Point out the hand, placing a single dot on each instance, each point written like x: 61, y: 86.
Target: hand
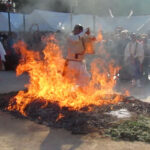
x: 93, y: 38
x: 88, y: 31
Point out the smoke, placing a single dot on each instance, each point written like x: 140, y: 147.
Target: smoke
x: 53, y: 5
x: 75, y: 6
x: 98, y: 7
x: 111, y: 8
x: 102, y: 8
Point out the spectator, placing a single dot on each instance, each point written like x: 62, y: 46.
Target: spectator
x: 2, y: 56
x: 146, y: 63
x: 122, y: 43
x: 134, y: 56
x: 11, y: 57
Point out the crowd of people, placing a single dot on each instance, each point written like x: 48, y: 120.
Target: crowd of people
x: 9, y: 58
x: 130, y: 51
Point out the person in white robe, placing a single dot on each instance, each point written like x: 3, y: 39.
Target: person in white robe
x: 75, y: 68
x: 133, y: 57
x: 2, y: 56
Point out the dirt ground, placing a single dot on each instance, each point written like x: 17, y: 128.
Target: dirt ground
x: 26, y: 135
x: 9, y: 82
x: 17, y: 134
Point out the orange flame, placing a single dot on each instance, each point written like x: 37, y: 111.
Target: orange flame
x: 99, y: 36
x: 47, y: 82
x: 60, y: 116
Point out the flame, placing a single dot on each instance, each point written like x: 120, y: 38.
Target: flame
x: 99, y: 36
x: 60, y: 116
x: 48, y: 84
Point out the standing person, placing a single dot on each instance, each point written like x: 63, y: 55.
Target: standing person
x: 134, y: 56
x: 120, y: 48
x: 12, y: 57
x: 146, y: 62
x: 2, y: 56
x: 75, y: 68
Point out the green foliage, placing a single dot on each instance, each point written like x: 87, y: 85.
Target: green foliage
x: 131, y: 130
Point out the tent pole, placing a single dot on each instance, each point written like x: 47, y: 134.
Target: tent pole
x: 24, y: 22
x: 71, y: 21
x: 9, y: 23
x: 94, y: 17
x: 94, y: 24
x: 71, y: 18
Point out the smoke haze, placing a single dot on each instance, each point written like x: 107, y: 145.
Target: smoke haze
x: 98, y: 7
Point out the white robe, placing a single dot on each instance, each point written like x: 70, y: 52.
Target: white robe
x: 75, y: 46
x: 135, y: 51
x: 2, y: 52
x: 76, y: 67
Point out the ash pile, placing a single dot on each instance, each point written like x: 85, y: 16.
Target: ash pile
x: 82, y: 121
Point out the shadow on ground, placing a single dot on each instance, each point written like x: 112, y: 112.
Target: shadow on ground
x: 59, y: 140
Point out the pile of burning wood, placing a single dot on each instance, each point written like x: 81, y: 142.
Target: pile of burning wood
x: 54, y: 100
x: 78, y: 121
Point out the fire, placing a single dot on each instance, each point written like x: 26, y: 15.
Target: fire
x: 99, y: 36
x: 60, y: 116
x: 47, y: 82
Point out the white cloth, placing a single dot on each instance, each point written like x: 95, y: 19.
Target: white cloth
x: 75, y: 46
x: 134, y: 49
x: 148, y: 44
x: 76, y: 68
x: 76, y: 72
x: 2, y: 52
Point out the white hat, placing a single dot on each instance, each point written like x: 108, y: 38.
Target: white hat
x: 124, y: 31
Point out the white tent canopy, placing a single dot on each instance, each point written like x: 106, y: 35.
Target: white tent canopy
x: 4, y: 23
x: 132, y: 24
x: 16, y: 20
x: 56, y: 20
x: 53, y: 21
x: 35, y: 18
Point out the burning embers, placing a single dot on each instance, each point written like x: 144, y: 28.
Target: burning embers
x: 48, y: 85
